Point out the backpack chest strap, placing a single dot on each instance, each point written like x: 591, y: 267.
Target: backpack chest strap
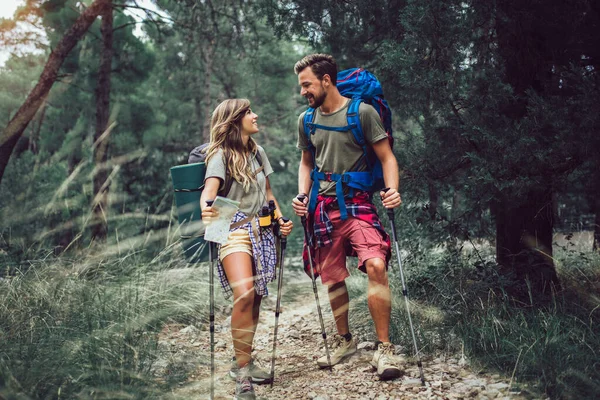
x: 355, y: 180
x: 318, y: 176
x: 312, y: 127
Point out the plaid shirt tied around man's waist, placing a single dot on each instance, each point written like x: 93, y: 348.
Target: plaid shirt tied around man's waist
x: 264, y: 255
x: 360, y: 206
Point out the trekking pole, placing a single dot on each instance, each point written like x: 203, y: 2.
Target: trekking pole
x: 211, y: 285
x: 314, y: 282
x: 283, y: 243
x: 390, y: 213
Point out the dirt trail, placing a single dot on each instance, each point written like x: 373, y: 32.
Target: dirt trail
x: 297, y: 375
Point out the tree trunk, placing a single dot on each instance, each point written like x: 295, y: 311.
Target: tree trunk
x: 596, y: 245
x: 208, y: 55
x: 455, y: 210
x: 524, y: 224
x: 17, y: 125
x: 524, y: 240
x: 99, y: 222
x: 433, y: 199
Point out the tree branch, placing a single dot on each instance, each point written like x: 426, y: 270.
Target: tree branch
x: 28, y: 109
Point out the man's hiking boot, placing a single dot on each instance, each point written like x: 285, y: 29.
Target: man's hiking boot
x: 341, y: 348
x: 257, y: 375
x: 386, y: 362
x: 243, y: 385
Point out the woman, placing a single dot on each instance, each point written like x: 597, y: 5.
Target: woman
x: 246, y: 263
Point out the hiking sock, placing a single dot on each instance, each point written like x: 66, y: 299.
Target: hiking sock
x: 347, y: 336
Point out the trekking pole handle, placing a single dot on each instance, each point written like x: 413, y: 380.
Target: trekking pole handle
x: 390, y: 211
x: 209, y: 202
x: 284, y: 238
x: 391, y: 215
x: 301, y: 197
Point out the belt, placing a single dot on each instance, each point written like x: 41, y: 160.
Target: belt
x: 334, y: 206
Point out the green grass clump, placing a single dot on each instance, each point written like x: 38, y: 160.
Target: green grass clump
x: 461, y: 304
x: 78, y: 329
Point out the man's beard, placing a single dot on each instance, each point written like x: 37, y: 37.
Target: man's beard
x: 319, y: 100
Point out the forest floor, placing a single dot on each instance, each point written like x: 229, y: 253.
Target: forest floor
x: 299, y: 343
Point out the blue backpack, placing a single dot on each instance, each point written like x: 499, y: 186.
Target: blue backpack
x: 361, y: 86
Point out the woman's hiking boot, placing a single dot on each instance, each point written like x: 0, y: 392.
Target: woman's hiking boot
x: 341, y: 348
x: 243, y: 385
x: 257, y: 375
x: 386, y: 362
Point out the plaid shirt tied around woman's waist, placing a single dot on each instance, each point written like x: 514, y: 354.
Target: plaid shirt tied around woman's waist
x: 360, y: 206
x: 264, y: 254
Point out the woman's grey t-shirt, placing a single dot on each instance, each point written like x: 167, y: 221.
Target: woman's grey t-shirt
x: 252, y: 201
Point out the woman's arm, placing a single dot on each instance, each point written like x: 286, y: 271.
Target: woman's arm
x: 211, y: 187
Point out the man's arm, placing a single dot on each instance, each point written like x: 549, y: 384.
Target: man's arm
x: 304, y: 182
x: 306, y: 166
x: 389, y: 164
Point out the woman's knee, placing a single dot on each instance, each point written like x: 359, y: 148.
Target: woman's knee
x: 244, y: 298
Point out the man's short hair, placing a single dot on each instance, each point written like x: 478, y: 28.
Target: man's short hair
x: 320, y: 64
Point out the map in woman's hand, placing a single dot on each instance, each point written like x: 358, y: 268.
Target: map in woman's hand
x: 218, y: 229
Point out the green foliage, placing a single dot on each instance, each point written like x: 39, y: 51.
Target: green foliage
x: 470, y: 129
x: 460, y: 303
x: 89, y: 327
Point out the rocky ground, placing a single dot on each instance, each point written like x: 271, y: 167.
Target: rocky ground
x: 185, y: 350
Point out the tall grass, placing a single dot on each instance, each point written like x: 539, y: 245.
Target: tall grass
x: 88, y: 327
x: 459, y: 303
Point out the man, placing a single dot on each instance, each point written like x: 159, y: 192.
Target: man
x: 337, y: 153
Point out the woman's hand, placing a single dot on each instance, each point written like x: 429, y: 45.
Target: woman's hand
x: 285, y: 227
x: 208, y: 214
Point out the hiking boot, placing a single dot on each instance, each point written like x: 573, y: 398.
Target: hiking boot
x: 341, y: 348
x: 257, y: 375
x: 386, y: 362
x: 243, y: 385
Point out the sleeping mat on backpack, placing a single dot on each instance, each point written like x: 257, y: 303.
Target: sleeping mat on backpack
x: 188, y: 182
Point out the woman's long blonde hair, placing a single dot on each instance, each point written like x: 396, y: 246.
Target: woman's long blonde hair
x: 226, y: 133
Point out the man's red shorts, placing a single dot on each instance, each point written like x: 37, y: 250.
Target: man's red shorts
x: 364, y: 238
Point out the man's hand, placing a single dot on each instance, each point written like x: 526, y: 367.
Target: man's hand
x: 390, y: 198
x: 300, y: 207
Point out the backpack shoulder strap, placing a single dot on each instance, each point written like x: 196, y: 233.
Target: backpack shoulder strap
x: 259, y: 158
x: 353, y: 118
x: 307, y: 123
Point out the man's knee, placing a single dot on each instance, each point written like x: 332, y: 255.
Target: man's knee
x: 376, y: 269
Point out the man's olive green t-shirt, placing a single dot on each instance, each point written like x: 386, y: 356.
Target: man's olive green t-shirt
x: 339, y: 152
x: 255, y: 198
